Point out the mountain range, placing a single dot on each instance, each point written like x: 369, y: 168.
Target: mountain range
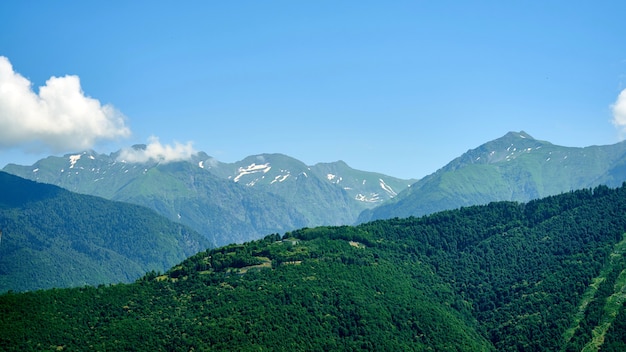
x: 539, y: 266
x: 226, y: 202
x: 274, y: 193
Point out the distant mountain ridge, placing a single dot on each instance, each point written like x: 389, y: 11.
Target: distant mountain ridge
x: 268, y: 169
x: 227, y: 202
x: 515, y: 167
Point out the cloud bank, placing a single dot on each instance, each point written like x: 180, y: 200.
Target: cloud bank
x: 155, y: 151
x: 619, y: 113
x: 58, y: 118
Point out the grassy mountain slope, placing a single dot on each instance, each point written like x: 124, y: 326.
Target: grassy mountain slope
x: 365, y: 189
x: 515, y: 167
x: 504, y: 276
x: 326, y: 193
x: 54, y: 238
x: 223, y: 211
x: 320, y: 201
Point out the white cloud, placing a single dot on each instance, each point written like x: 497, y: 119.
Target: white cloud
x: 157, y: 152
x: 619, y: 113
x: 211, y: 162
x: 59, y: 118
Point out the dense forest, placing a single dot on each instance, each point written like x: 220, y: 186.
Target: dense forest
x: 547, y: 275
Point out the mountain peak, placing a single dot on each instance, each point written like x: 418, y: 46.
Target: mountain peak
x: 520, y: 134
x: 513, y: 140
x: 505, y: 148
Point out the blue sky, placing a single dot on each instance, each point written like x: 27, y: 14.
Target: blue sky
x: 396, y: 87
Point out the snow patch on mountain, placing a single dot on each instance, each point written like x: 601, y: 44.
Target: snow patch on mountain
x: 334, y: 178
x: 251, y: 169
x: 373, y: 198
x: 387, y: 188
x: 280, y: 178
x: 201, y: 164
x: 253, y: 182
x: 73, y: 160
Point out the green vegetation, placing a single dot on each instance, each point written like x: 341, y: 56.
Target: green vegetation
x: 55, y: 238
x: 602, y: 299
x: 515, y: 167
x: 547, y: 275
x: 202, y: 193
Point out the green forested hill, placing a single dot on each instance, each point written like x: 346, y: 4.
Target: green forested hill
x: 548, y: 275
x: 54, y: 238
